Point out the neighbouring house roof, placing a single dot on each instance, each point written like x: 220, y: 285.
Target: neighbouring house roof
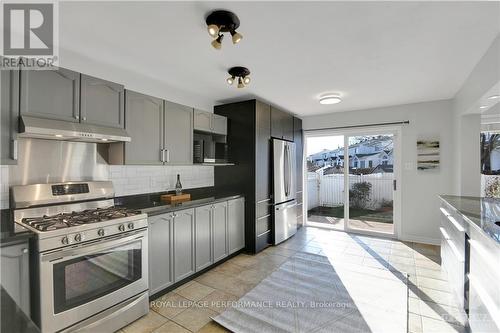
x: 383, y: 169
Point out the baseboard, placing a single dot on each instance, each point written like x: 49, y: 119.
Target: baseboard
x: 418, y: 239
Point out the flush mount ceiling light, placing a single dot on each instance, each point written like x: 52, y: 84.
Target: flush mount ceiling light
x: 221, y: 21
x: 241, y: 74
x: 328, y: 99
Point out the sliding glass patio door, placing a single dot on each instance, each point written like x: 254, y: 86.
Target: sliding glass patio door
x: 352, y: 180
x: 370, y: 180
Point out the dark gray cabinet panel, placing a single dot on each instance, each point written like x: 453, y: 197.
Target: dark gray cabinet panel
x: 15, y: 274
x: 160, y: 252
x: 9, y: 104
x: 202, y: 121
x: 236, y: 224
x: 144, y: 118
x: 281, y: 124
x: 299, y: 151
x: 203, y: 236
x: 178, y: 126
x: 183, y: 240
x: 53, y: 94
x: 262, y: 151
x: 102, y: 102
x: 219, y: 227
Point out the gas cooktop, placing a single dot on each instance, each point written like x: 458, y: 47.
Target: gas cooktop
x: 88, y: 216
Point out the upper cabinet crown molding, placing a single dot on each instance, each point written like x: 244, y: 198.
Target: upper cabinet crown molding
x: 102, y: 102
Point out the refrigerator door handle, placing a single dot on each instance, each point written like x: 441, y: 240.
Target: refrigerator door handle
x: 290, y: 169
x: 286, y: 169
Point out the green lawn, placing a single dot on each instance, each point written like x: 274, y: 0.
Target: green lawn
x: 365, y: 214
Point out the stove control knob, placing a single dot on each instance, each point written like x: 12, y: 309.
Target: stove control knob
x: 65, y: 240
x: 130, y: 226
x: 121, y: 227
x: 100, y: 232
x: 78, y: 238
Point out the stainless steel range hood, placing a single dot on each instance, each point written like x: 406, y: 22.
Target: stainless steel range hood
x: 40, y: 128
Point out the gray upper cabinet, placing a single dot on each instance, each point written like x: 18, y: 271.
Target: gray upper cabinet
x: 144, y: 117
x: 183, y: 240
x: 281, y: 124
x: 202, y: 121
x: 219, y: 124
x: 178, y: 143
x: 53, y: 94
x: 203, y: 237
x: 208, y: 122
x: 160, y: 252
x: 236, y: 224
x: 9, y: 104
x: 102, y: 102
x: 219, y: 229
x: 15, y: 274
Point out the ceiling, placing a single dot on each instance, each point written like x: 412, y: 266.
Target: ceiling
x: 373, y: 53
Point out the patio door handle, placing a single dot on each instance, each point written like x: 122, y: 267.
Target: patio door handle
x: 394, y: 184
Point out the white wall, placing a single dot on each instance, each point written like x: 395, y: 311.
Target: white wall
x: 420, y: 189
x: 467, y: 120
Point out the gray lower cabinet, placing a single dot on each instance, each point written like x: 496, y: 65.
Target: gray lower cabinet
x: 183, y: 241
x: 9, y: 111
x: 203, y: 236
x: 15, y: 273
x: 178, y: 136
x: 53, y: 94
x: 144, y: 118
x: 101, y: 102
x: 160, y: 252
x: 236, y: 224
x: 190, y: 240
x: 219, y: 233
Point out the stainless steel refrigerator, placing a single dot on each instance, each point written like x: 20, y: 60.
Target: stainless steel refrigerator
x: 284, y: 212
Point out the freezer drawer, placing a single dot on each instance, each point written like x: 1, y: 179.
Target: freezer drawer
x: 285, y: 221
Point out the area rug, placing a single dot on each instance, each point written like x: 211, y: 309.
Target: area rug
x: 310, y: 294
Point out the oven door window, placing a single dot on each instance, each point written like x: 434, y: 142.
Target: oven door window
x: 86, y: 278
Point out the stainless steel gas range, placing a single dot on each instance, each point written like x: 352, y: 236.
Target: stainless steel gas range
x: 90, y: 259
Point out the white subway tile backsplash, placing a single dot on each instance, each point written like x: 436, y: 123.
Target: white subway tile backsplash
x: 128, y: 180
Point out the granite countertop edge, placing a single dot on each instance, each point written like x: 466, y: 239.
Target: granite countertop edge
x: 477, y: 220
x: 164, y: 209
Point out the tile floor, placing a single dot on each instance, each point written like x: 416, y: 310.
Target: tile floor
x: 431, y: 306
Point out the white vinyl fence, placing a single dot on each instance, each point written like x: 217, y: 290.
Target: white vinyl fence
x: 328, y: 190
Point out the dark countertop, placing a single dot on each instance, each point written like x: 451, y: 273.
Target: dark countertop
x: 482, y: 212
x: 152, y: 205
x: 11, y: 232
x: 13, y: 318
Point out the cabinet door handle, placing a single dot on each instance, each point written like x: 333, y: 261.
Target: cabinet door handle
x: 168, y: 155
x: 162, y: 155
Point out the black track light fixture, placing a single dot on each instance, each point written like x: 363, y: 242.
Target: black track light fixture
x: 241, y: 74
x: 221, y: 21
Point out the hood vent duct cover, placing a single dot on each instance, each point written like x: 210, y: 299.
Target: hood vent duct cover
x: 40, y: 128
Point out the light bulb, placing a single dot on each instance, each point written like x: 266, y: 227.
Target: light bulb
x: 213, y: 30
x: 217, y: 43
x: 236, y: 37
x: 240, y: 83
x: 246, y: 80
x: 230, y: 80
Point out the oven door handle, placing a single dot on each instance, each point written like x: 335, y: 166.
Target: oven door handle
x: 89, y: 249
